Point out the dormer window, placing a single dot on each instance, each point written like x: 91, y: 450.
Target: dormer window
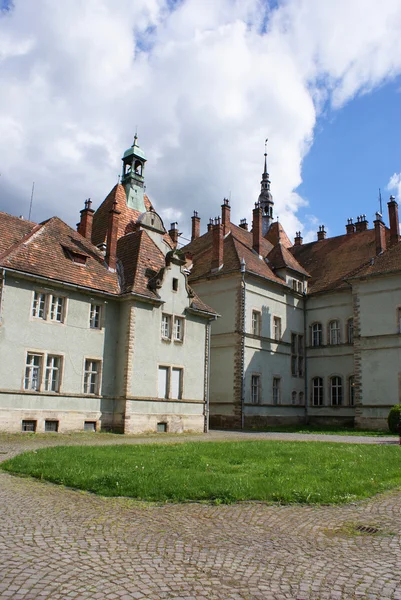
x: 76, y: 257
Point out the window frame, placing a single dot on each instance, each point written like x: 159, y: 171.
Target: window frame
x: 56, y: 308
x: 95, y: 316
x: 30, y: 367
x: 317, y: 391
x: 169, y: 378
x: 177, y: 320
x: 336, y: 390
x: 350, y: 330
x: 276, y: 390
x: 57, y: 369
x: 166, y: 319
x: 277, y: 328
x: 256, y: 322
x: 351, y: 390
x: 334, y: 331
x: 49, y: 306
x: 88, y: 373
x: 318, y: 333
x: 39, y: 298
x: 297, y: 354
x: 256, y: 388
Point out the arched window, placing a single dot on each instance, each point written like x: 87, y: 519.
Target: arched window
x: 351, y: 390
x: 336, y: 391
x: 350, y: 331
x: 317, y: 391
x: 138, y: 167
x: 293, y: 397
x: 317, y: 334
x: 334, y: 332
x: 301, y: 398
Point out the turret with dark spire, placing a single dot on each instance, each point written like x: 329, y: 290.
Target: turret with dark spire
x: 266, y: 199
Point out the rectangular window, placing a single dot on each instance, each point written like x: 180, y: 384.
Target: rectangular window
x: 163, y: 382
x: 94, y: 317
x: 29, y: 425
x: 334, y: 333
x: 39, y: 305
x: 350, y: 331
x: 255, y: 389
x: 256, y: 322
x: 336, y: 391
x: 175, y: 284
x: 57, y: 309
x: 166, y: 327
x: 317, y: 334
x: 277, y: 328
x: 53, y: 373
x: 176, y: 384
x: 276, y: 390
x: 351, y: 390
x: 51, y: 426
x: 92, y: 376
x: 33, y: 370
x: 90, y: 426
x: 162, y: 427
x: 317, y: 391
x: 178, y: 329
x: 297, y: 355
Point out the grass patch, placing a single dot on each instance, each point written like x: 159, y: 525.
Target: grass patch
x: 327, y: 430
x: 220, y: 472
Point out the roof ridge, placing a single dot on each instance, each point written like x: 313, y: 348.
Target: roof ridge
x: 23, y: 241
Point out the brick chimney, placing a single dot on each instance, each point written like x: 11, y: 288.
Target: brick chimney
x: 321, y: 234
x: 173, y: 233
x: 195, y: 226
x: 380, y: 234
x: 225, y: 216
x: 84, y: 227
x: 257, y: 228
x: 361, y: 223
x: 218, y: 242
x: 111, y: 243
x: 298, y: 239
x: 210, y: 224
x: 350, y: 227
x: 243, y: 224
x: 394, y: 224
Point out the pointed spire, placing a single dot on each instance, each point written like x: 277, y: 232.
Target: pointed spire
x: 265, y: 197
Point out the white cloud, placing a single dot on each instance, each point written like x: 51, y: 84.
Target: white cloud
x: 395, y: 184
x: 205, y: 83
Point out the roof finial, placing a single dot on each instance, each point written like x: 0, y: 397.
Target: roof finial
x: 380, y: 202
x: 135, y: 136
x: 266, y: 140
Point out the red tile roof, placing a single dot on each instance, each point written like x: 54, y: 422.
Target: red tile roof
x: 127, y: 216
x: 42, y: 252
x: 384, y: 264
x: 47, y: 250
x: 276, y: 234
x: 237, y: 246
x: 281, y: 258
x: 333, y: 260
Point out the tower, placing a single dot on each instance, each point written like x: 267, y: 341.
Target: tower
x: 266, y: 200
x: 132, y: 176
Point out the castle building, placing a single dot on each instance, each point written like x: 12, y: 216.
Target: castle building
x: 308, y: 332
x: 99, y: 328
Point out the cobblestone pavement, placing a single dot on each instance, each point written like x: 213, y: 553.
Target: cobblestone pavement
x: 61, y: 544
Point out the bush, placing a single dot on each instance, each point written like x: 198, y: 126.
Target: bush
x: 394, y: 417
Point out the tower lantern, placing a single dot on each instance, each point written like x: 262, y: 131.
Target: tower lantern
x: 133, y: 176
x: 266, y: 199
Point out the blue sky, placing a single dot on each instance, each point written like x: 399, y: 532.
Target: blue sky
x: 205, y: 83
x: 355, y: 151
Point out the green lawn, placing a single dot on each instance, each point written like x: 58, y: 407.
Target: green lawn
x: 285, y: 472
x: 328, y: 430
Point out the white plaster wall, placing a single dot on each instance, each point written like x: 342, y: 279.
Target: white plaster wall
x: 151, y: 350
x: 73, y: 339
x: 221, y: 294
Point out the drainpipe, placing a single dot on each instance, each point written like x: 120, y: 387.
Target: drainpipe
x: 207, y: 376
x: 3, y: 285
x: 305, y: 364
x: 243, y: 291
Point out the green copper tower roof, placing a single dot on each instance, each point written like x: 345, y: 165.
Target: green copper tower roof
x: 135, y: 150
